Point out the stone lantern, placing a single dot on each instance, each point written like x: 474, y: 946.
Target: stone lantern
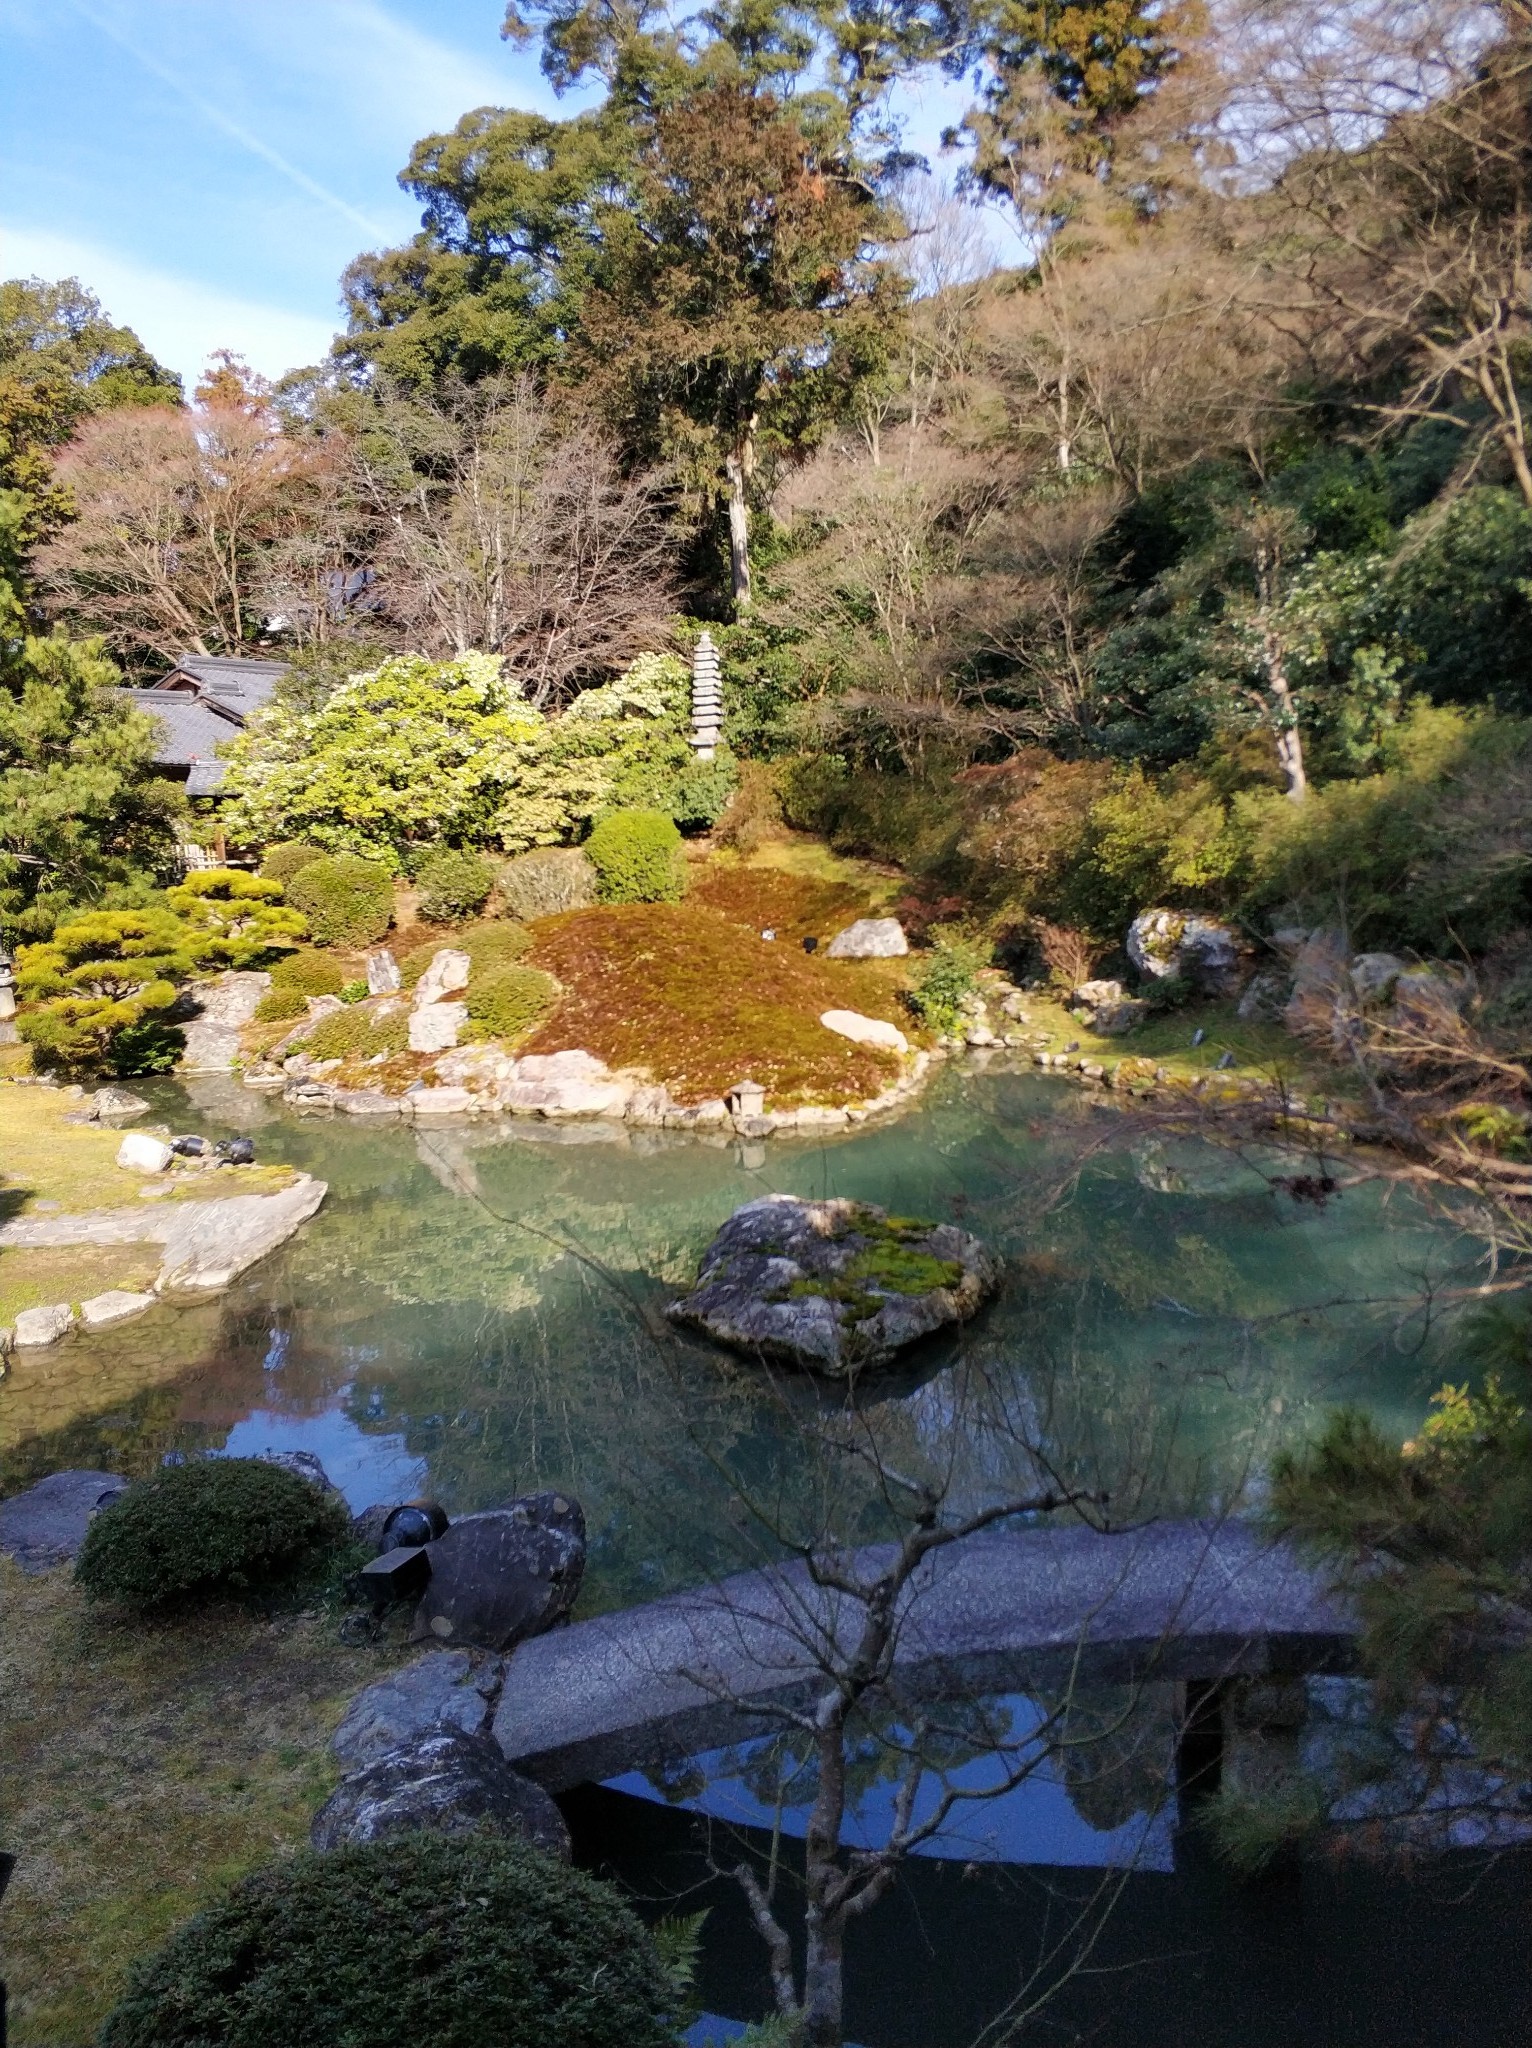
x: 707, y: 699
x: 7, y: 986
x: 747, y: 1098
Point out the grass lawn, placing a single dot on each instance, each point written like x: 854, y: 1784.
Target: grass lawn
x: 1262, y: 1051
x: 145, y: 1768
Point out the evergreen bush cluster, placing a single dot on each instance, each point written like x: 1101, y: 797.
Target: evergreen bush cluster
x: 545, y: 882
x: 510, y: 1001
x: 281, y: 1006
x: 213, y: 1526
x: 357, y: 1033
x: 445, y: 1942
x: 308, y: 972
x: 947, y: 973
x: 282, y: 861
x: 490, y: 945
x: 348, y: 901
x: 638, y: 858
x: 453, y: 884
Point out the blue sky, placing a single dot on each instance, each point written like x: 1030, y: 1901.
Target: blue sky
x: 209, y: 167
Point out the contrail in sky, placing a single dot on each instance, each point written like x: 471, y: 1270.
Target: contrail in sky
x: 232, y: 129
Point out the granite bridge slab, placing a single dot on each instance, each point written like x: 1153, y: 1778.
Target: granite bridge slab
x: 1033, y: 1609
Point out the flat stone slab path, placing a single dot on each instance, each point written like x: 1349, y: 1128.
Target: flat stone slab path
x: 1032, y: 1609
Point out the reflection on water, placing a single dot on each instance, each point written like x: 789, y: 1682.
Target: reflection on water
x: 991, y: 1783
x: 475, y: 1310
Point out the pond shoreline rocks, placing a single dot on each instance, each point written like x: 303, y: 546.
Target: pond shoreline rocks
x: 833, y: 1285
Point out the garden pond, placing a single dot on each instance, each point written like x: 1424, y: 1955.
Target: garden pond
x: 478, y: 1312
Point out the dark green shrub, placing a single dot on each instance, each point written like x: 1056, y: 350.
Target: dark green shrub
x: 637, y: 857
x: 348, y: 901
x: 278, y: 1005
x: 309, y: 973
x: 546, y: 881
x: 490, y: 946
x: 217, y: 1525
x: 507, y: 1004
x: 453, y: 885
x: 455, y: 1942
x: 282, y: 861
x: 358, y: 1032
x: 355, y: 992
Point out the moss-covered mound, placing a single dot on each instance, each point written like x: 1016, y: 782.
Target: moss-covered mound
x: 704, y: 1002
x: 455, y: 1942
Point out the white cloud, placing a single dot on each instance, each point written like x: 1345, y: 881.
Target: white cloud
x: 179, y: 320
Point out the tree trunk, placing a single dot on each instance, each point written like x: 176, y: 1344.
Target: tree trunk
x: 739, y: 468
x: 1284, y: 717
x: 822, y: 1979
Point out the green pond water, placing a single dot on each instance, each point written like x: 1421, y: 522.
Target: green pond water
x: 476, y: 1312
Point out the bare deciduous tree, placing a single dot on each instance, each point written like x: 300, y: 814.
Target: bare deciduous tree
x: 501, y: 530
x: 174, y: 513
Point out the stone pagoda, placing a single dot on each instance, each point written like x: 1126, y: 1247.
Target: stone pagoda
x: 707, y: 699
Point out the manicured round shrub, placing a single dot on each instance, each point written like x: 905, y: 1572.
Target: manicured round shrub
x: 282, y: 861
x: 637, y: 857
x: 441, y: 1941
x: 216, y: 1525
x: 310, y: 973
x: 281, y: 1005
x: 546, y: 881
x: 490, y: 946
x: 348, y: 901
x: 508, y: 1003
x: 358, y: 1033
x: 453, y: 885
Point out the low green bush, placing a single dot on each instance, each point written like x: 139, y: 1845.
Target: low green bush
x: 489, y: 946
x: 453, y: 884
x: 279, y: 1005
x: 637, y: 857
x: 947, y: 973
x: 309, y: 973
x: 545, y: 882
x: 216, y: 1525
x: 455, y: 1942
x: 355, y: 992
x: 348, y: 901
x: 507, y: 1004
x: 358, y: 1032
x: 282, y: 861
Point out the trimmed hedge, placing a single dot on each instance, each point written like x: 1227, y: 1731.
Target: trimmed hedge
x: 546, y: 881
x: 280, y: 1005
x: 355, y: 1031
x: 637, y: 857
x: 348, y: 901
x: 216, y: 1525
x: 440, y: 1941
x: 282, y: 861
x: 507, y: 1004
x: 311, y: 974
x: 453, y: 885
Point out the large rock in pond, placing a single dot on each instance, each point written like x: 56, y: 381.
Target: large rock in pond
x: 447, y: 1782
x: 833, y: 1285
x: 209, y: 1244
x: 505, y: 1574
x: 1179, y: 943
x: 870, y: 938
x: 46, y: 1525
x: 224, y: 1006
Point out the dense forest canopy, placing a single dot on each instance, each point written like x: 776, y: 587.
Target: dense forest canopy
x: 1220, y: 499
